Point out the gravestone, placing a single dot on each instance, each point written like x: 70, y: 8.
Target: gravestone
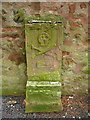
x: 44, y: 40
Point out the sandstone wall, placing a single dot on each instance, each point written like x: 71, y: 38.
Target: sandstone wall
x: 74, y: 51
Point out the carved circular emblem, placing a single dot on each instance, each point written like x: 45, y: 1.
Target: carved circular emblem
x: 43, y: 39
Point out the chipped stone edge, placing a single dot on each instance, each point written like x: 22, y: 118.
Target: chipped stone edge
x: 43, y: 83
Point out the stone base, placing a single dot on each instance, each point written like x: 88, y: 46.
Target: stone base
x: 43, y: 96
x: 43, y: 108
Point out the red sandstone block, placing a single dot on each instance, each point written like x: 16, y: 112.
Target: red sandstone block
x: 83, y: 5
x: 72, y: 8
x: 65, y: 53
x: 9, y: 29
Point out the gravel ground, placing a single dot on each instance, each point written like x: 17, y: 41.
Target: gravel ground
x: 74, y: 107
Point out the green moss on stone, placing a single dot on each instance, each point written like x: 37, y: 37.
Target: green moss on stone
x: 86, y: 70
x: 47, y: 76
x: 74, y: 84
x: 46, y: 17
x: 19, y: 16
x: 68, y: 48
x: 43, y: 96
x: 34, y: 33
x: 13, y: 78
x: 43, y: 108
x: 43, y: 89
x: 85, y: 62
x: 15, y: 91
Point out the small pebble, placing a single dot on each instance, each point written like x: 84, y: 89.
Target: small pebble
x: 70, y: 97
x: 65, y: 113
x: 63, y: 116
x: 68, y: 105
x: 11, y: 105
x: 71, y: 107
x: 79, y: 117
x: 12, y: 102
x: 88, y: 114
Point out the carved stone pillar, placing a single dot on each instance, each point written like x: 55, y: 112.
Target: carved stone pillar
x: 44, y: 41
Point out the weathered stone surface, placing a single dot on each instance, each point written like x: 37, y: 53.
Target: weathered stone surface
x: 76, y: 31
x: 9, y: 12
x: 72, y: 8
x: 83, y: 5
x: 43, y: 56
x: 43, y: 96
x: 13, y: 62
x: 75, y: 60
x: 44, y: 59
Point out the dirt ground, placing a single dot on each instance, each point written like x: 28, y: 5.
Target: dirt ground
x: 73, y: 107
